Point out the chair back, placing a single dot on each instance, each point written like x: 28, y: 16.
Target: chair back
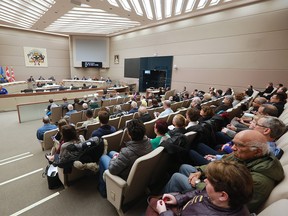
x: 56, y: 114
x: 47, y: 142
x: 125, y: 138
x: 95, y: 113
x: 170, y: 117
x: 114, y: 140
x: 90, y: 129
x: 105, y: 102
x: 123, y: 120
x: 149, y: 126
x: 125, y: 107
x: 141, y: 174
x: 114, y: 122
x: 151, y: 112
x: 76, y: 117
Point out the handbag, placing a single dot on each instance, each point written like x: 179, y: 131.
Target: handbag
x: 152, y: 203
x: 51, y: 173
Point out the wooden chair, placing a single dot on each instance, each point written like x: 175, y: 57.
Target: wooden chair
x: 121, y: 193
x: 78, y: 107
x: 56, y: 114
x: 120, y: 100
x: 105, y: 102
x: 47, y: 142
x: 150, y: 128
x: 76, y: 117
x: 114, y: 122
x: 125, y: 107
x: 151, y: 112
x: 123, y: 119
x: 95, y: 113
x: 170, y: 117
x: 114, y: 140
x: 125, y: 138
x: 90, y: 129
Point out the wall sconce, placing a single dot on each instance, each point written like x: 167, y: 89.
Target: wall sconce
x: 175, y: 67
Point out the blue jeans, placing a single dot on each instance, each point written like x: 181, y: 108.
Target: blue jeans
x: 103, y: 165
x: 179, y: 181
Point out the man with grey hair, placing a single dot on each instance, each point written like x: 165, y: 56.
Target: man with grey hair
x: 46, y: 127
x: 196, y: 103
x: 167, y: 109
x: 144, y: 116
x: 249, y: 148
x: 272, y: 128
x: 226, y: 104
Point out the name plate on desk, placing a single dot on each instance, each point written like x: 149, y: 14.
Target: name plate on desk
x: 91, y: 64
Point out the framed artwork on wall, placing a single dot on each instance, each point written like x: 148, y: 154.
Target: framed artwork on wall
x: 116, y: 59
x: 35, y: 57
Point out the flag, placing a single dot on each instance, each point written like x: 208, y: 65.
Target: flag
x: 2, y: 75
x: 12, y: 79
x: 7, y: 74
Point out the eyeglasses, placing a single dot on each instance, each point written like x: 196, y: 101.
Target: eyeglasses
x: 260, y: 125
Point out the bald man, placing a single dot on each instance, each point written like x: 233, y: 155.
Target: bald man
x: 250, y: 148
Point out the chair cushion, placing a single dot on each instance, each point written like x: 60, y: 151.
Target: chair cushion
x: 280, y: 206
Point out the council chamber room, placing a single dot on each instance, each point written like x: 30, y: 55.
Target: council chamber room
x: 143, y: 107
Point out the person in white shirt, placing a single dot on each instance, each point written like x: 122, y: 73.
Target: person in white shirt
x: 167, y: 109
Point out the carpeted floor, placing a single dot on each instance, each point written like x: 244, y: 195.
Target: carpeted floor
x: 23, y: 188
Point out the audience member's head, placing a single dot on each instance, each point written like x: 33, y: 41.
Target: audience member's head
x: 270, y: 126
x: 76, y: 100
x: 103, y: 117
x: 142, y: 110
x: 64, y: 99
x: 161, y: 127
x: 179, y: 121
x: 230, y: 178
x: 196, y: 101
x: 117, y: 108
x: 193, y: 114
x: 70, y: 107
x: 278, y: 97
x: 228, y: 100
x: 239, y: 96
x: 69, y: 133
x: 85, y: 106
x: 206, y: 111
x: 46, y: 120
x: 51, y: 100
x: 249, y: 144
x: 136, y: 129
x: 166, y: 104
x: 268, y: 109
x: 61, y: 123
x: 133, y: 104
x: 89, y: 114
x: 258, y: 101
x: 207, y: 97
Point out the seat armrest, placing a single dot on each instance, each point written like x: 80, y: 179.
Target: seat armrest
x: 115, y: 189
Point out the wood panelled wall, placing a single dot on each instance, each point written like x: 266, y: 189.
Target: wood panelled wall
x: 12, y: 43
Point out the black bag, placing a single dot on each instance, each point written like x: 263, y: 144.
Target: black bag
x: 51, y: 173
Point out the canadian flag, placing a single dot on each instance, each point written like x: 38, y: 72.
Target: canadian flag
x: 12, y: 78
x: 7, y: 73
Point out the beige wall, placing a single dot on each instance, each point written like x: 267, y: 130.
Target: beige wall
x: 12, y: 42
x: 236, y: 47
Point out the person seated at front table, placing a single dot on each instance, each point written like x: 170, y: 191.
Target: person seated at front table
x: 3, y: 90
x: 228, y: 187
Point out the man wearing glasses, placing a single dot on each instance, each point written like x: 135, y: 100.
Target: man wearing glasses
x: 250, y: 148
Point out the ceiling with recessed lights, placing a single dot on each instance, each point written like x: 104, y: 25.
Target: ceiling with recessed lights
x: 104, y: 17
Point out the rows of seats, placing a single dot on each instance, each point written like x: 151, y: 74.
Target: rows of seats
x: 278, y: 199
